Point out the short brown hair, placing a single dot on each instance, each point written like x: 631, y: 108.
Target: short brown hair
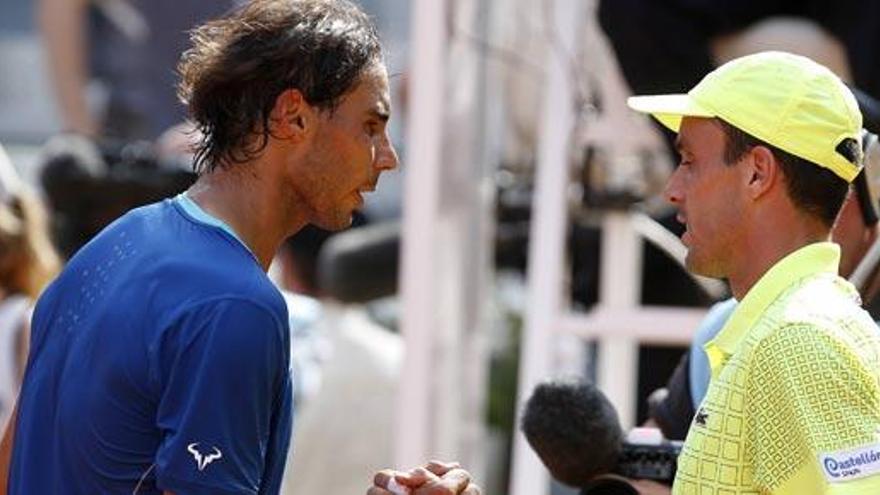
x: 812, y: 188
x: 239, y: 64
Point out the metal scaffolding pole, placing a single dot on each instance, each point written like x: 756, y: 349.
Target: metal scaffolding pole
x: 547, y: 234
x: 421, y: 208
x: 447, y: 240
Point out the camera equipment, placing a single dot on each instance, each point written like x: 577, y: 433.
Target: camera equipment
x: 650, y: 459
x: 575, y: 431
x: 654, y: 460
x: 89, y: 184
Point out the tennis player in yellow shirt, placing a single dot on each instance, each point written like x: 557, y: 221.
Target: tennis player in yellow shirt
x: 769, y: 143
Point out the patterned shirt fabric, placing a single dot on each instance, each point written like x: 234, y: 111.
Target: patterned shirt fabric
x: 794, y: 402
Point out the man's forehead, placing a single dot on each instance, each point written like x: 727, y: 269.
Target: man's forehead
x: 374, y: 83
x: 380, y: 78
x: 694, y: 129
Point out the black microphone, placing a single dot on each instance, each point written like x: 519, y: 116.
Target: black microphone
x: 576, y: 432
x: 574, y: 429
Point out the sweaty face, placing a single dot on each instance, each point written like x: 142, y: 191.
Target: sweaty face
x: 351, y: 148
x: 706, y: 192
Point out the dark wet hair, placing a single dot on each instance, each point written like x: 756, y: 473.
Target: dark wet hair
x: 239, y: 64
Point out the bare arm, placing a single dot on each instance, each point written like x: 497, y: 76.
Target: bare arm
x: 63, y: 27
x: 6, y: 450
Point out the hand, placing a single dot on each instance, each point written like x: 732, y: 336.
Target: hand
x: 436, y: 478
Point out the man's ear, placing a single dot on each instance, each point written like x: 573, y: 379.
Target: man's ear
x: 291, y: 117
x: 762, y: 171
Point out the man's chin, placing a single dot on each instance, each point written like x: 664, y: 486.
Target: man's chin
x: 694, y: 264
x: 335, y: 223
x: 700, y: 267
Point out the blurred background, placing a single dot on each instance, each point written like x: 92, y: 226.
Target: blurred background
x: 525, y: 235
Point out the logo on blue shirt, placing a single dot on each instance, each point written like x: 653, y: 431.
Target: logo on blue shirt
x: 203, y: 460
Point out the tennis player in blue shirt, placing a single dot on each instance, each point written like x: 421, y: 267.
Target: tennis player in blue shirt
x: 160, y: 356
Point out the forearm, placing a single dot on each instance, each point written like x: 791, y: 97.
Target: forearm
x: 6, y: 451
x: 63, y: 27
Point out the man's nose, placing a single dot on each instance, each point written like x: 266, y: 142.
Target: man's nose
x: 386, y: 157
x: 673, y: 192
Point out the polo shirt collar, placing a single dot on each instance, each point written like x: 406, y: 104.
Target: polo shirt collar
x: 813, y: 259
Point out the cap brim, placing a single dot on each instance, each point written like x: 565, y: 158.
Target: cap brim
x: 668, y: 109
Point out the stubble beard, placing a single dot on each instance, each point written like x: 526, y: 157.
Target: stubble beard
x: 710, y: 268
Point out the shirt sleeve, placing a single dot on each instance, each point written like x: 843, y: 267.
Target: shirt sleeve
x: 224, y: 387
x: 810, y: 399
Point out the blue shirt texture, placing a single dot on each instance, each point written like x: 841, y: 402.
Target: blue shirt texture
x: 159, y: 361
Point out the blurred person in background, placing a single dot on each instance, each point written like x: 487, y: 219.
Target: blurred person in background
x: 343, y: 362
x: 665, y: 46
x: 112, y: 62
x: 296, y: 264
x: 111, y: 65
x: 28, y: 262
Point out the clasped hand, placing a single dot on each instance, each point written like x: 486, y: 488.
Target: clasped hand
x: 435, y: 478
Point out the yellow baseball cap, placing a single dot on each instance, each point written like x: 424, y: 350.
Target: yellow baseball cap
x: 785, y: 100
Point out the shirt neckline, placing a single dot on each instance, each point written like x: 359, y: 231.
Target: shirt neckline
x: 812, y: 259
x: 198, y: 214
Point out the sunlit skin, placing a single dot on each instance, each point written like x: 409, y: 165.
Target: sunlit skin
x: 315, y: 168
x: 349, y: 149
x: 707, y: 193
x: 739, y: 218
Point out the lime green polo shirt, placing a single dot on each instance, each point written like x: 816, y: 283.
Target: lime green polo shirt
x: 794, y: 403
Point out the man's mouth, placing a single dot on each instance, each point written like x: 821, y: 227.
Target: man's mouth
x: 685, y: 236
x: 361, y: 191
